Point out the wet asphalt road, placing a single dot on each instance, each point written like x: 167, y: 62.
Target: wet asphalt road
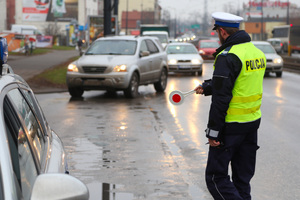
x: 146, y: 148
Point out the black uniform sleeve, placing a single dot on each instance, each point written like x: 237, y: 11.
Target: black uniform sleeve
x: 227, y: 69
x: 207, y: 87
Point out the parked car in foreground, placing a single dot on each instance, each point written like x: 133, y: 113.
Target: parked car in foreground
x: 206, y: 48
x: 119, y: 63
x: 184, y: 58
x: 274, y: 61
x: 33, y: 161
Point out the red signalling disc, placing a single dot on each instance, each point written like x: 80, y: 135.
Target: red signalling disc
x: 176, y: 98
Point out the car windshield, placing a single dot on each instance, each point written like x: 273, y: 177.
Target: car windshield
x: 112, y: 47
x: 181, y: 49
x: 265, y: 48
x: 209, y: 44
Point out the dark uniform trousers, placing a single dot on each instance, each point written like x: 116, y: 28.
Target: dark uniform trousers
x: 239, y: 150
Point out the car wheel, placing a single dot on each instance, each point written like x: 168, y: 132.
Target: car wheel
x: 75, y: 91
x: 161, y: 85
x: 278, y: 74
x: 132, y: 90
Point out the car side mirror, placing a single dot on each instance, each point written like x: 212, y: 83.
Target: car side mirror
x: 144, y: 53
x: 59, y: 186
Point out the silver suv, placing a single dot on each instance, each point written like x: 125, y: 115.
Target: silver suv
x: 32, y: 158
x: 119, y: 63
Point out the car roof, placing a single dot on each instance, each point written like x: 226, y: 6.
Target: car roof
x: 124, y: 37
x: 10, y: 77
x: 208, y: 41
x: 273, y: 39
x: 179, y: 43
x: 261, y: 42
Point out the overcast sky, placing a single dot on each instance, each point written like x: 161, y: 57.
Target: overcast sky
x: 185, y: 9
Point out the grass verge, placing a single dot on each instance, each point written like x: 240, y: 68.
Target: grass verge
x: 52, y: 77
x: 39, y: 51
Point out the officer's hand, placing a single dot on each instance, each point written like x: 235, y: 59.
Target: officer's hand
x: 213, y: 143
x: 199, y: 89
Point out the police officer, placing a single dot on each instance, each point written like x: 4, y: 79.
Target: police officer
x: 234, y: 117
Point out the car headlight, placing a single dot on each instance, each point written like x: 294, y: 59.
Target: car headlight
x: 172, y: 62
x: 120, y: 68
x: 196, y: 61
x: 277, y: 60
x: 72, y: 68
x: 201, y: 52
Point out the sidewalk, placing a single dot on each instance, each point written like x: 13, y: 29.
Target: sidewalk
x: 30, y: 66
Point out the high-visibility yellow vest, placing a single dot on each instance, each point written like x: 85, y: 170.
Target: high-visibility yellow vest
x: 248, y: 88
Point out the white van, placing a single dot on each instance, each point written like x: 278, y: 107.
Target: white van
x: 25, y: 29
x: 163, y: 36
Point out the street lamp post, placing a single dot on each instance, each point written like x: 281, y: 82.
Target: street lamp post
x: 142, y: 12
x: 175, y: 21
x: 127, y: 17
x: 262, y: 22
x: 288, y: 13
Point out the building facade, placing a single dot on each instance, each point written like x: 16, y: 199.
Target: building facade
x: 75, y: 11
x: 261, y: 17
x: 3, y: 13
x: 138, y: 12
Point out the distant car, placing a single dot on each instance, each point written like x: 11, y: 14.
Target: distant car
x: 119, y: 63
x: 32, y: 157
x: 183, y: 58
x: 274, y: 61
x: 277, y: 44
x: 206, y: 48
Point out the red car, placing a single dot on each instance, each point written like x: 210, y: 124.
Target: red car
x: 207, y: 47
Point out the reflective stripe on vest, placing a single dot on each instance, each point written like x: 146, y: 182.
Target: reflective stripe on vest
x: 247, y: 91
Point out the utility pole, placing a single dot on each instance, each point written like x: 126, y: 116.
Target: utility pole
x: 205, y: 23
x: 107, y: 17
x: 116, y: 7
x: 142, y: 12
x: 175, y: 26
x: 262, y: 21
x: 127, y: 18
x: 288, y: 13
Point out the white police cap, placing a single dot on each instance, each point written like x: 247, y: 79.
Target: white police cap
x: 226, y: 20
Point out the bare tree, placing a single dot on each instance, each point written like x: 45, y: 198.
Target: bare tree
x: 51, y: 29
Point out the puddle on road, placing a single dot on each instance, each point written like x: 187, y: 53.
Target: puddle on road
x: 86, y: 164
x: 105, y: 191
x: 194, y: 190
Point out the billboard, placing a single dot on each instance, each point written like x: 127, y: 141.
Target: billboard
x: 47, y: 10
x: 66, y: 11
x: 35, y: 10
